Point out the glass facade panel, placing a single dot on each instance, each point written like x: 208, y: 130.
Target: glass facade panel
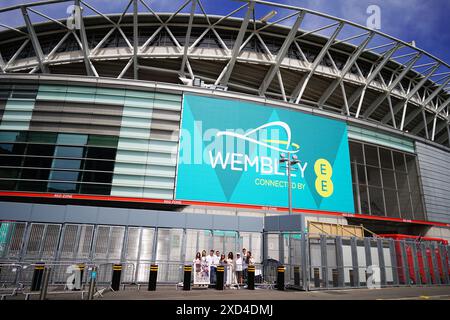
x: 72, y: 139
x: 30, y: 155
x: 387, y: 187
x: 392, y: 209
x: 376, y: 201
x: 373, y: 176
x: 69, y: 152
x: 371, y: 154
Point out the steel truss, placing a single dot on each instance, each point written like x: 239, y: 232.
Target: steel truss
x: 406, y: 85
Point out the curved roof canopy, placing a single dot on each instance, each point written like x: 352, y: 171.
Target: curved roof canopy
x: 261, y: 48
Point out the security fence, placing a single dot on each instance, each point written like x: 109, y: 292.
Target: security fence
x: 311, y: 261
x: 315, y: 262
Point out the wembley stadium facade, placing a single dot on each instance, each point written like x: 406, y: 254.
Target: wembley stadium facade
x: 144, y: 137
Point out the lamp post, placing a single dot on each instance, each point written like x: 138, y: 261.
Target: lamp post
x: 290, y: 161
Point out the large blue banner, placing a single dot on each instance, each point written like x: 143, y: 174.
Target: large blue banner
x: 230, y: 152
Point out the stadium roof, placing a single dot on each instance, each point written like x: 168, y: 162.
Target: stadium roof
x: 295, y: 55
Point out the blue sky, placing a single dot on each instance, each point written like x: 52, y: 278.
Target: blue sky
x: 425, y: 21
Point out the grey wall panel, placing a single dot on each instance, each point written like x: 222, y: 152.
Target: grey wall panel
x: 171, y: 220
x: 435, y: 177
x: 116, y: 216
x: 15, y: 211
x: 76, y: 214
x: 143, y: 218
x: 251, y: 224
x: 225, y: 223
x: 125, y: 217
x: 48, y: 213
x: 193, y: 221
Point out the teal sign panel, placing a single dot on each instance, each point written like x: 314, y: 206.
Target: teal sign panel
x: 230, y: 152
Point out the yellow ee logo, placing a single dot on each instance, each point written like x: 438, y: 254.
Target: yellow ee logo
x: 324, y: 184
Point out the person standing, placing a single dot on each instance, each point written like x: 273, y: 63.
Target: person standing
x: 212, y: 267
x: 244, y: 264
x: 238, y: 268
x: 229, y: 270
x: 204, y: 256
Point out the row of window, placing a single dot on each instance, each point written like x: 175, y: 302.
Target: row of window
x: 385, y: 182
x: 35, y: 161
x: 58, y: 138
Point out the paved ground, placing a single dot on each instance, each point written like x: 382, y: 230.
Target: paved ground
x: 170, y: 293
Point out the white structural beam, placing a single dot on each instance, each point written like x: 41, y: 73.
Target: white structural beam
x: 391, y: 87
x: 411, y: 93
x: 360, y: 92
x: 34, y: 40
x: 85, y: 46
x: 135, y: 40
x: 443, y: 125
x: 413, y: 114
x: 436, y: 92
x: 297, y: 94
x: 281, y: 54
x: 224, y: 77
x: 348, y: 66
x: 188, y: 38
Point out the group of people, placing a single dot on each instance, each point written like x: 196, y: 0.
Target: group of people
x: 235, y: 266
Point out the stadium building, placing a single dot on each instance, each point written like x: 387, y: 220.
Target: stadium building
x: 143, y: 137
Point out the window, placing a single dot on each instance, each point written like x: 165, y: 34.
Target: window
x: 38, y: 162
x: 385, y: 182
x: 40, y: 150
x: 66, y: 164
x: 12, y: 149
x: 10, y: 161
x: 97, y: 165
x: 35, y: 174
x: 386, y: 158
x: 72, y: 139
x: 373, y: 176
x: 7, y: 136
x: 62, y: 187
x: 59, y: 158
x: 64, y: 175
x: 69, y: 152
x: 9, y: 173
x: 101, y: 153
x: 42, y: 137
x: 100, y: 177
x: 102, y: 189
x: 103, y: 141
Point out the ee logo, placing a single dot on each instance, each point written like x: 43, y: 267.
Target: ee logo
x: 324, y: 184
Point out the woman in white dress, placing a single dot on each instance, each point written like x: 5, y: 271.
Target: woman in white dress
x: 231, y: 277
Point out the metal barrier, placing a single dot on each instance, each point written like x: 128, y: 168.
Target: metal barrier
x: 331, y: 263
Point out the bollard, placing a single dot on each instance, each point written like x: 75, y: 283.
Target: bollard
x: 117, y: 272
x: 92, y: 280
x: 37, y: 276
x: 153, y: 277
x: 251, y: 277
x: 280, y: 278
x: 297, y: 276
x: 220, y: 270
x: 46, y: 278
x: 187, y: 278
